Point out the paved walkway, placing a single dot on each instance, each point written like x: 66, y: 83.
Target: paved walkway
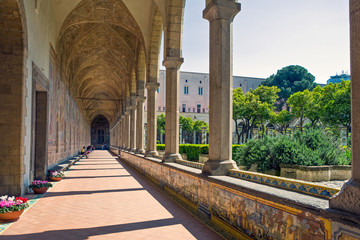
x: 100, y: 198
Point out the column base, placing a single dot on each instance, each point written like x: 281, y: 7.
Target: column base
x: 348, y: 198
x: 139, y: 151
x: 171, y: 157
x: 151, y: 154
x: 218, y: 168
x: 132, y: 150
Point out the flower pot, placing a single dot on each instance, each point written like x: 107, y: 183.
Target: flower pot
x: 11, y: 216
x: 55, y: 179
x: 40, y: 190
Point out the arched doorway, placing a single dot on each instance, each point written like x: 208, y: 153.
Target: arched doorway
x: 100, y: 132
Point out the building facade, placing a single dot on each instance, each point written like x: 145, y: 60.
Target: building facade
x: 338, y: 78
x: 194, y: 92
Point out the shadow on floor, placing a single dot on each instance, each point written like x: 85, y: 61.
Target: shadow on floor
x: 85, y: 233
x: 59, y: 194
x: 65, y: 178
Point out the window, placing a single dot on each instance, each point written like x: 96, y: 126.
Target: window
x: 186, y: 80
x: 186, y: 90
x: 164, y: 109
x: 203, y: 110
x: 240, y: 84
x: 200, y: 91
x: 198, y: 108
x: 200, y: 82
x: 193, y: 109
x: 188, y: 109
x: 159, y: 108
x: 157, y: 89
x: 184, y: 108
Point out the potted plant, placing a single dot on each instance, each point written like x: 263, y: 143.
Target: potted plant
x: 11, y: 208
x: 39, y: 186
x: 56, y: 175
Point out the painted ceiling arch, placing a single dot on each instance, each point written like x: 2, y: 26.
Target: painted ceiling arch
x: 99, y: 45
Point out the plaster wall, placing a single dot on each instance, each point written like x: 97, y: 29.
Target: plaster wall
x: 38, y: 29
x: 41, y: 29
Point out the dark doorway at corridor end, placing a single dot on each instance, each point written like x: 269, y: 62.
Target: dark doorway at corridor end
x: 100, y: 132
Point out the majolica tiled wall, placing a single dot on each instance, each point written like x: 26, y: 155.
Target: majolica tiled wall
x: 241, y: 213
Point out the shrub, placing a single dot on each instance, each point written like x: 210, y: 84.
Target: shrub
x: 312, y: 148
x: 160, y: 147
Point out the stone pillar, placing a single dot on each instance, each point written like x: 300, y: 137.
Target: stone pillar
x: 140, y: 125
x: 348, y: 198
x: 133, y: 128
x: 123, y: 132
x: 120, y: 132
x: 172, y: 65
x: 220, y: 14
x: 127, y: 129
x: 151, y: 120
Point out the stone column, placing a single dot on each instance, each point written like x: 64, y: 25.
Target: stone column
x: 220, y: 14
x: 151, y: 120
x: 140, y: 125
x: 127, y: 129
x: 123, y: 132
x: 348, y: 198
x: 172, y: 65
x: 120, y: 133
x: 133, y: 128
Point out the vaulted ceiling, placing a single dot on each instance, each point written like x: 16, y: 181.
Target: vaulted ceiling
x: 98, y: 49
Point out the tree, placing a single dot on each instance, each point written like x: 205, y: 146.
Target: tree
x: 238, y: 110
x: 336, y: 101
x: 266, y: 98
x: 297, y: 102
x: 283, y: 119
x: 160, y: 123
x: 253, y: 108
x: 198, y: 125
x: 291, y: 79
x: 314, y: 107
x: 187, y: 128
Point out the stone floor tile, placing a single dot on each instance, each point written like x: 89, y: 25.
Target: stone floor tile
x: 100, y: 198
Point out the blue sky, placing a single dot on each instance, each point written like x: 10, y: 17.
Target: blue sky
x: 271, y: 34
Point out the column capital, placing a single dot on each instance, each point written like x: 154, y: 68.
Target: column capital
x: 173, y: 62
x: 152, y: 85
x: 132, y: 107
x: 140, y: 99
x: 127, y: 112
x: 221, y: 9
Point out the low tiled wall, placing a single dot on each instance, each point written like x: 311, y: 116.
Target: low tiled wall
x: 315, y: 173
x: 247, y: 208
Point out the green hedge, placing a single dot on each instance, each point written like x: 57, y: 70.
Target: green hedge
x: 160, y: 147
x: 193, y: 150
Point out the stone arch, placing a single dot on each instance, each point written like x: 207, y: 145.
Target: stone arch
x: 100, y: 132
x: 13, y: 49
x: 98, y: 45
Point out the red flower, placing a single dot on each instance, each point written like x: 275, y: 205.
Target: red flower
x: 24, y: 200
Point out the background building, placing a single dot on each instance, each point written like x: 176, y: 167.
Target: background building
x: 194, y: 93
x: 338, y: 78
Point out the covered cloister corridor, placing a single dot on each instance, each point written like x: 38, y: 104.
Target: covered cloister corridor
x: 103, y: 198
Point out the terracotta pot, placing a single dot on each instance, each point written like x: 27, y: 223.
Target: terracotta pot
x: 10, y: 216
x: 40, y: 190
x: 55, y: 179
